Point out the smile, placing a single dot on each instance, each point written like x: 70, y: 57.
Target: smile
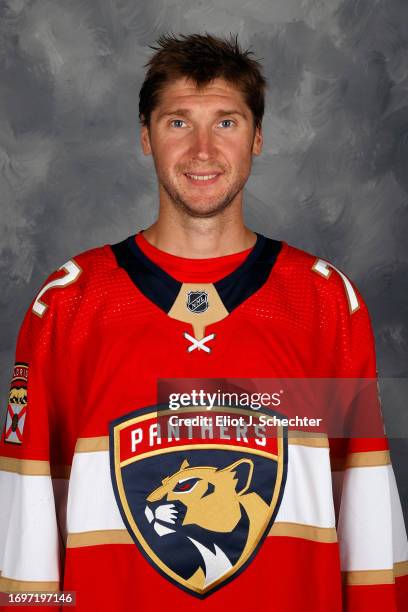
x: 207, y: 179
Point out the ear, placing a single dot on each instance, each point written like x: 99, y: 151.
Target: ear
x: 258, y: 141
x: 242, y: 470
x: 145, y: 140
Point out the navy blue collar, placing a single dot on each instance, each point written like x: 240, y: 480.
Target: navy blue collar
x: 162, y: 289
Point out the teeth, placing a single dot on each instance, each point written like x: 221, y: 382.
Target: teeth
x: 202, y: 178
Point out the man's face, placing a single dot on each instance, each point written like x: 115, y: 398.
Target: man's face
x: 207, y: 133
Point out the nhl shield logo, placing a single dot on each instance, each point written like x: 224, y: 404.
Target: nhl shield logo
x: 198, y: 509
x: 197, y: 301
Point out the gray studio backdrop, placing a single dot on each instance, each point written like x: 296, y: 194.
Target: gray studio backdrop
x: 332, y: 178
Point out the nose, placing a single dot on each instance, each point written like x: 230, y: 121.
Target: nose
x: 203, y: 146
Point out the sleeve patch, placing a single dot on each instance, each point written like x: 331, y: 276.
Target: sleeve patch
x: 17, y: 405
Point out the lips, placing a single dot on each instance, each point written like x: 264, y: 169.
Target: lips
x: 202, y: 178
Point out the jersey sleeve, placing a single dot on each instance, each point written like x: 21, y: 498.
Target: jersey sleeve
x: 32, y: 479
x: 370, y: 524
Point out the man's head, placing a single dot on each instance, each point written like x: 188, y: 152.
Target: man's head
x: 201, y: 108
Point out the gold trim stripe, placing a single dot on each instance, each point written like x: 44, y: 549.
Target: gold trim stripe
x: 314, y: 441
x: 361, y: 459
x: 298, y: 433
x: 93, y: 538
x: 34, y: 467
x: 327, y: 535
x: 28, y: 467
x: 400, y: 569
x: 367, y: 577
x: 89, y: 445
x: 368, y: 459
x: 9, y: 585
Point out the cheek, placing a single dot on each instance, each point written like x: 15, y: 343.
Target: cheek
x: 238, y: 155
x: 165, y: 147
x: 172, y: 158
x: 172, y: 142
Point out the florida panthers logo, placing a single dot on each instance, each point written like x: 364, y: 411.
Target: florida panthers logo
x: 197, y: 511
x: 189, y: 502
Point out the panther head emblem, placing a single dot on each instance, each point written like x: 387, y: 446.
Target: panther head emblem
x: 198, y: 510
x: 212, y: 508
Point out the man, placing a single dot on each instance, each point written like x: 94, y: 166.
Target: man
x: 100, y: 495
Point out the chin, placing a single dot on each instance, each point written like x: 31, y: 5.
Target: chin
x: 204, y: 211
x: 194, y: 207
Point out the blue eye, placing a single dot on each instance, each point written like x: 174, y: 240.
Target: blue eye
x: 227, y: 121
x: 177, y: 121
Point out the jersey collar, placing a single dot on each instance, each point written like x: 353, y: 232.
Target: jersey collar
x: 162, y: 289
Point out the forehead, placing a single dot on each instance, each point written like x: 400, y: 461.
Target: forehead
x: 185, y: 92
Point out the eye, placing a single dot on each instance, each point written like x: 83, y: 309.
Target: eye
x: 227, y: 121
x: 186, y: 485
x: 176, y: 121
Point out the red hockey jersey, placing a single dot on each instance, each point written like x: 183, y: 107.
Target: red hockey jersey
x: 97, y: 499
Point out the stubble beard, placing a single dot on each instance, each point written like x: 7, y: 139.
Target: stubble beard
x: 187, y: 208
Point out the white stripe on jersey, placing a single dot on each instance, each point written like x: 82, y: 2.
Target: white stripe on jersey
x: 28, y: 528
x: 365, y: 511
x: 308, y: 497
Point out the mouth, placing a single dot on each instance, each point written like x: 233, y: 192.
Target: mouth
x: 203, y: 180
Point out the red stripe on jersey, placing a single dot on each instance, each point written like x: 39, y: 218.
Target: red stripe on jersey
x: 378, y: 597
x: 288, y: 574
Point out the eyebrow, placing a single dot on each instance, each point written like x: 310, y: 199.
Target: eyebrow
x: 185, y: 111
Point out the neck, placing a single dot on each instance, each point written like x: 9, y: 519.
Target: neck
x: 200, y: 238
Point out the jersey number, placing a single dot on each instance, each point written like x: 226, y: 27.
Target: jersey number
x: 72, y: 273
x: 322, y: 267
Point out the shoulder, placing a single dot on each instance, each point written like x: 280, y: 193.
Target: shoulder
x: 312, y: 293
x: 74, y: 290
x: 74, y: 278
x: 319, y: 297
x: 318, y: 279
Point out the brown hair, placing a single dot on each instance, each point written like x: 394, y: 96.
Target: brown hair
x: 202, y: 58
